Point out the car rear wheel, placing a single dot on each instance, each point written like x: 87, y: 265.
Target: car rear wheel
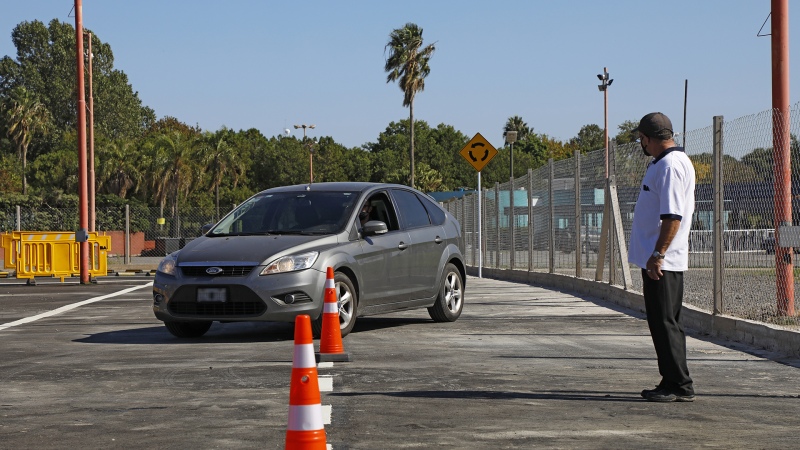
x: 450, y: 301
x: 187, y: 329
x: 347, y: 300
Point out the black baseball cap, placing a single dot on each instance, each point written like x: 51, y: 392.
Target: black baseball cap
x: 655, y: 125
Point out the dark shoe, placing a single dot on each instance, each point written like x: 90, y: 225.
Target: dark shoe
x: 646, y: 392
x: 664, y: 395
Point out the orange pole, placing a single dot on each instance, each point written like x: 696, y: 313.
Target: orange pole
x: 781, y: 153
x: 83, y: 207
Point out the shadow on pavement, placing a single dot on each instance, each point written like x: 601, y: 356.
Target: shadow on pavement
x: 227, y: 333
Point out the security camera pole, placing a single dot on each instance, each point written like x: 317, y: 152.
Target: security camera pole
x: 605, y: 82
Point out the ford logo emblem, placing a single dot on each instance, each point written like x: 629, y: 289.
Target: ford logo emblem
x: 214, y: 270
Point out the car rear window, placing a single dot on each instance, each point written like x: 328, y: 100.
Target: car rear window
x: 412, y: 213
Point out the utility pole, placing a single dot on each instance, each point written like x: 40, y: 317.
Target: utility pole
x: 310, y: 151
x: 92, y: 188
x: 781, y: 154
x: 83, y: 208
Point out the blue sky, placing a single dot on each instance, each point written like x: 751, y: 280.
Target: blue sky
x: 270, y: 65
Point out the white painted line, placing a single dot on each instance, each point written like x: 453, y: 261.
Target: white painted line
x: 69, y: 307
x: 325, y: 383
x: 325, y: 365
x: 326, y: 414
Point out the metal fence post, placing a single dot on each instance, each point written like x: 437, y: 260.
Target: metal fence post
x: 497, y: 224
x: 127, y: 234
x: 19, y: 219
x: 513, y: 248
x: 578, y: 268
x: 718, y: 199
x: 530, y: 219
x: 552, y: 214
x: 612, y: 243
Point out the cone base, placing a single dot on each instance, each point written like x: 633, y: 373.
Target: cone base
x: 332, y: 357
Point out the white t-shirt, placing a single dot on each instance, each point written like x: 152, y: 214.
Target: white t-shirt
x: 667, y: 192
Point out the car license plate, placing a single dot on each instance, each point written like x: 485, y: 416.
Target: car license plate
x: 212, y: 295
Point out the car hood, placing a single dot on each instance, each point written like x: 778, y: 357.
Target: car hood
x: 249, y: 250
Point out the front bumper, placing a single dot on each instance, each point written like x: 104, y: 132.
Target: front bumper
x: 270, y: 298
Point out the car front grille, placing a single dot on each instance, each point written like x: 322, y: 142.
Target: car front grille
x: 242, y: 302
x: 217, y: 309
x: 227, y: 271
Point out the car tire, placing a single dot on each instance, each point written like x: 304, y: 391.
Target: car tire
x: 187, y: 329
x: 450, y: 301
x: 348, y: 306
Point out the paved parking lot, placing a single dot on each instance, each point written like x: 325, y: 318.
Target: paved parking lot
x: 523, y: 367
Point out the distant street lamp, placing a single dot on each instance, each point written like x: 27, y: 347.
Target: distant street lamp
x: 310, y: 151
x: 511, y: 137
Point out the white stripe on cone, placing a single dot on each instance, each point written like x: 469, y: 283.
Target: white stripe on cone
x: 305, y: 417
x: 329, y: 283
x: 304, y: 356
x: 331, y: 308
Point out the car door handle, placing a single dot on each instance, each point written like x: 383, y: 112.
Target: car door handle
x: 438, y: 240
x: 402, y: 246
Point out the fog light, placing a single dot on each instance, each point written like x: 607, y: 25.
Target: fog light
x: 158, y: 298
x: 289, y: 299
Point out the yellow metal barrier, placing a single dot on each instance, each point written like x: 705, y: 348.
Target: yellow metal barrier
x: 54, y: 254
x: 10, y: 249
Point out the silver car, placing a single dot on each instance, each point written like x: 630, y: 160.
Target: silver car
x: 391, y: 248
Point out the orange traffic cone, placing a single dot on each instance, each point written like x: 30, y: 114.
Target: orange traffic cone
x: 330, y: 340
x: 305, y: 430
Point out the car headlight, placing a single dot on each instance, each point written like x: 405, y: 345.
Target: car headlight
x: 291, y: 263
x: 167, y: 265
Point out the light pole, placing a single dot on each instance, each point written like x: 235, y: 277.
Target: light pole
x: 310, y: 151
x: 511, y: 137
x: 605, y: 83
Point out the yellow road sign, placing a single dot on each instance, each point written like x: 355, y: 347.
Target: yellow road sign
x: 478, y: 152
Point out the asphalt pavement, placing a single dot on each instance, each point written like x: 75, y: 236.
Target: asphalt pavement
x: 88, y: 366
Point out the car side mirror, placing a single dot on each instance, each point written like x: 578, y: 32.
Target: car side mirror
x: 206, y: 228
x: 374, y: 227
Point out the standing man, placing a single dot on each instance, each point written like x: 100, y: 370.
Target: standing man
x: 660, y: 246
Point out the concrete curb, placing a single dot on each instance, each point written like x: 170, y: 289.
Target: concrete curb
x: 766, y: 336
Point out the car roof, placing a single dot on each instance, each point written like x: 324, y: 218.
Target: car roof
x: 347, y: 186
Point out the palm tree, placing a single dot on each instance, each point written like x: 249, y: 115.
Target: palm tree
x: 515, y: 123
x: 220, y: 158
x: 24, y: 115
x: 118, y: 172
x: 171, y: 170
x: 408, y: 62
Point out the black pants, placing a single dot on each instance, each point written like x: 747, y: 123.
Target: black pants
x: 663, y: 300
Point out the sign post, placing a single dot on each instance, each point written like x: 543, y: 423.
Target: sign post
x: 478, y: 152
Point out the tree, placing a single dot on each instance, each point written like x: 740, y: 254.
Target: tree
x: 590, y: 137
x: 171, y: 167
x: 515, y: 123
x: 626, y: 134
x: 220, y: 158
x: 24, y: 115
x: 45, y: 65
x: 408, y: 62
x: 119, y: 171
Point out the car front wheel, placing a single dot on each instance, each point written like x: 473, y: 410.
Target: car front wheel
x: 347, y: 300
x: 187, y: 329
x: 450, y: 301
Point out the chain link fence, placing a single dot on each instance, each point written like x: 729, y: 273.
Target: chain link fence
x: 538, y: 223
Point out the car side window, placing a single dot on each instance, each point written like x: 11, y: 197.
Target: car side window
x: 412, y: 213
x: 436, y: 213
x: 383, y: 211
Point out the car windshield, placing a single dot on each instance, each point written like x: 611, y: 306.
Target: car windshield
x: 288, y: 213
